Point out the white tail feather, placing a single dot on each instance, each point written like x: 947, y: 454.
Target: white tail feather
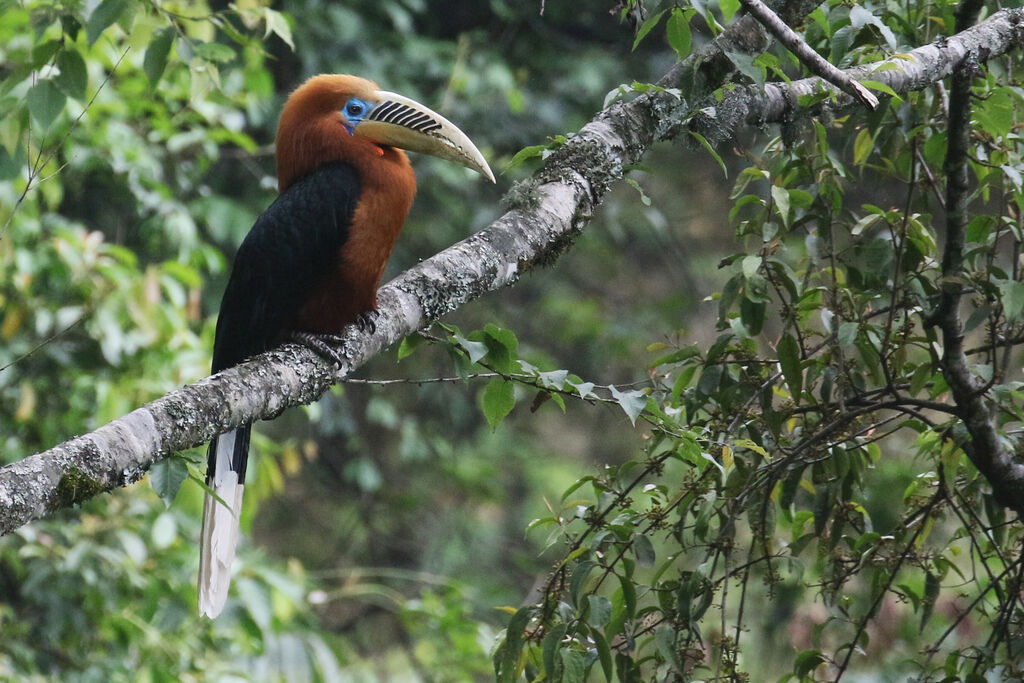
x: 220, y: 531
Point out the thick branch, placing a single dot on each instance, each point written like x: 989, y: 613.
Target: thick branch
x: 984, y: 448
x: 811, y: 59
x: 550, y: 212
x: 914, y: 70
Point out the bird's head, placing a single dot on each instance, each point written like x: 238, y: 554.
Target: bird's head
x: 335, y: 117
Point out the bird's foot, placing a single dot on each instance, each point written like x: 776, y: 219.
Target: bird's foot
x: 367, y: 320
x: 324, y: 345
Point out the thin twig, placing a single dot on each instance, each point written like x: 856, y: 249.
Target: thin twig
x: 893, y: 572
x: 811, y: 59
x: 41, y: 161
x: 43, y: 343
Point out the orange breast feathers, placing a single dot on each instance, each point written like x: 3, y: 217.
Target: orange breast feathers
x: 387, y: 190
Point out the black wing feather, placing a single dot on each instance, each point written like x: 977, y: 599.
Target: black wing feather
x: 288, y: 252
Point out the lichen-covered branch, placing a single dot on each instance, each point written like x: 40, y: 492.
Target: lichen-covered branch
x: 811, y: 59
x: 914, y: 70
x: 547, y: 214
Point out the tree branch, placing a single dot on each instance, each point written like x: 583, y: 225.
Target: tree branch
x: 811, y: 59
x: 549, y: 212
x: 984, y: 447
x: 915, y: 70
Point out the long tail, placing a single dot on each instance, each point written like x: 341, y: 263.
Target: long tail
x: 225, y: 475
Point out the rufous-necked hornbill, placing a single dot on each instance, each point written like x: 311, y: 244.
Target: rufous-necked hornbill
x: 312, y: 262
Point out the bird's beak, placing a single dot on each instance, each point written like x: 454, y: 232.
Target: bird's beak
x: 400, y: 122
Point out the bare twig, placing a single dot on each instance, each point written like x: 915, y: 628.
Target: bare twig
x: 41, y: 160
x: 811, y: 59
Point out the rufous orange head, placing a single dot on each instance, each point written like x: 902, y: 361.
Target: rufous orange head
x: 336, y: 117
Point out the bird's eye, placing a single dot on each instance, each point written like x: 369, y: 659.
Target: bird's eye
x: 355, y: 108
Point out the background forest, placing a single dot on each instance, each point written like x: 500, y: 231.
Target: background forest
x: 714, y: 440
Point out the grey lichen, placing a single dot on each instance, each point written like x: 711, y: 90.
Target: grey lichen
x: 552, y: 251
x: 523, y: 196
x: 586, y: 157
x: 437, y: 298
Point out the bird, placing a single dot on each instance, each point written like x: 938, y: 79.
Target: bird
x: 312, y: 262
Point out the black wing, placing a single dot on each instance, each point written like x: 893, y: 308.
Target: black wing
x: 288, y: 252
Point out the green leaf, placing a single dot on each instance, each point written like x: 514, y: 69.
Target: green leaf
x: 166, y: 477
x: 752, y: 315
x: 646, y: 27
x: 578, y: 579
x: 506, y: 338
x: 931, y: 593
x: 1012, y: 295
x: 575, y: 485
x: 45, y: 102
x: 806, y: 662
x: 550, y: 647
x: 104, y: 16
x: 73, y: 77
x: 728, y: 8
x: 42, y: 53
x: 862, y: 146
x: 498, y: 400
x: 632, y: 402
x: 709, y: 380
x: 996, y: 112
x: 574, y: 669
x: 789, y: 361
x: 644, y: 550
x: 508, y: 655
x: 525, y: 154
x: 410, y: 344
x: 474, y: 349
x: 604, y: 653
x: 781, y: 198
x: 278, y: 25
x: 678, y: 32
x: 628, y: 596
x: 678, y: 356
x: 644, y: 199
x: 665, y: 640
x: 156, y: 55
x: 711, y: 150
x: 750, y: 445
x: 215, y: 52
x: 744, y: 63
x: 165, y: 530
x: 501, y: 348
x: 600, y: 610
x: 847, y: 334
x: 881, y: 87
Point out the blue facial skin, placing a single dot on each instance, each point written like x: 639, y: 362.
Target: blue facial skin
x: 354, y: 111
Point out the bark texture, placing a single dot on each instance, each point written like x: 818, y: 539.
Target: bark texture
x: 914, y: 70
x: 546, y: 215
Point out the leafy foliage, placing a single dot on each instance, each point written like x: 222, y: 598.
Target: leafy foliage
x: 812, y: 454
x: 768, y: 484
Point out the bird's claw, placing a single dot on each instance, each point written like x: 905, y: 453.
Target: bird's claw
x: 324, y: 345
x: 367, y: 321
